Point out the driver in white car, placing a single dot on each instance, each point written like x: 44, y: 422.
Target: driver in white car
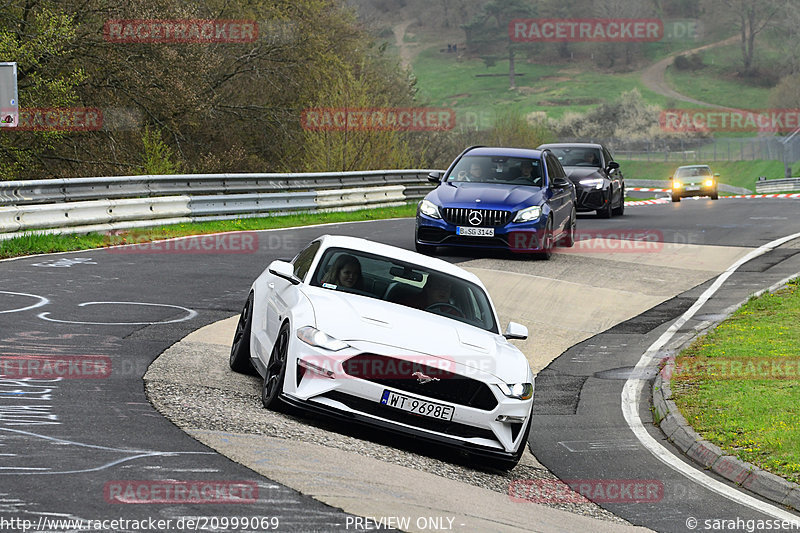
x: 436, y: 293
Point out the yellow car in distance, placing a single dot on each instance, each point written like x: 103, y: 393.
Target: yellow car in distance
x: 694, y: 180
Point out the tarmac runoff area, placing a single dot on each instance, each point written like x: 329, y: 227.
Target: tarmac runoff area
x: 563, y: 301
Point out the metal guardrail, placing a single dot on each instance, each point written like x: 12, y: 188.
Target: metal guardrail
x: 104, y: 188
x: 78, y: 205
x: 778, y: 185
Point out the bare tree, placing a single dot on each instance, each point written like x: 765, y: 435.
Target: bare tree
x: 751, y: 18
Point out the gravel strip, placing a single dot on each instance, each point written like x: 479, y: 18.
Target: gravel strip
x: 193, y: 406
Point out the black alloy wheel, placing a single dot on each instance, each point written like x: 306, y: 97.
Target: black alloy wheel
x: 276, y: 370
x: 607, y: 211
x: 240, y: 348
x: 620, y: 209
x: 568, y: 239
x: 547, y: 247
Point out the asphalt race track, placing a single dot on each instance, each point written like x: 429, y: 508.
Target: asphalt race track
x: 78, y: 447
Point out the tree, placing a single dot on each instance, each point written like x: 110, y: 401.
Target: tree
x: 621, y: 9
x: 751, y: 17
x: 488, y: 37
x: 216, y: 106
x: 38, y: 36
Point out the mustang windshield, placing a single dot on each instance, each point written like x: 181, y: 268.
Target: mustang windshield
x: 501, y: 170
x: 405, y: 284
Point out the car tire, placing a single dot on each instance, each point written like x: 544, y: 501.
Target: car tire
x: 607, y: 211
x: 506, y: 464
x: 675, y: 198
x: 276, y: 371
x: 620, y: 209
x: 240, y: 348
x: 568, y: 240
x: 715, y: 196
x: 547, y: 250
x: 426, y: 249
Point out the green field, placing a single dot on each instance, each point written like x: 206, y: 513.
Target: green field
x: 716, y: 83
x: 443, y: 80
x: 474, y: 89
x: 736, y: 173
x: 722, y: 389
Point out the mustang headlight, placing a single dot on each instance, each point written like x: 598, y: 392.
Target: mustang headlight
x: 597, y: 183
x: 677, y: 184
x: 430, y: 209
x: 520, y: 391
x: 528, y: 214
x: 709, y: 183
x: 314, y: 337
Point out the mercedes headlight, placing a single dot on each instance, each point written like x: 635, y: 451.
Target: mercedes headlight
x: 597, y: 183
x: 677, y: 184
x: 709, y: 183
x: 520, y: 391
x: 528, y: 214
x: 314, y: 337
x: 430, y: 209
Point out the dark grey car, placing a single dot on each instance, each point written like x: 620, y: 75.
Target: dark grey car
x: 598, y: 179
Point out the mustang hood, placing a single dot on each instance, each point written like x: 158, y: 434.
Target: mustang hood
x: 392, y: 329
x: 491, y: 196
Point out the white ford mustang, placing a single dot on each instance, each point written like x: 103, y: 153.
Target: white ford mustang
x: 392, y: 338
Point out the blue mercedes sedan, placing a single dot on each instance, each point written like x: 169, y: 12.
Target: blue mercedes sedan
x: 499, y: 198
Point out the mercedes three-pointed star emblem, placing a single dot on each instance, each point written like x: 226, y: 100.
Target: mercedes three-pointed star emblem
x: 475, y: 218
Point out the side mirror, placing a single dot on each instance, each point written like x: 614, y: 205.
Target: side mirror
x: 612, y: 165
x: 284, y: 270
x: 435, y: 176
x: 561, y: 182
x: 516, y: 331
x: 716, y: 174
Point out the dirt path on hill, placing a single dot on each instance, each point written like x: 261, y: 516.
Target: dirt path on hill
x: 653, y: 76
x: 399, y: 37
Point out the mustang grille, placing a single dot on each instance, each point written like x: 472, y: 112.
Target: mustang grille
x: 397, y: 374
x: 488, y: 217
x: 389, y: 413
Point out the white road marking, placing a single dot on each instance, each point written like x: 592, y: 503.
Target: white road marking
x: 42, y: 301
x: 190, y: 314
x: 133, y: 455
x: 632, y: 390
x: 66, y: 262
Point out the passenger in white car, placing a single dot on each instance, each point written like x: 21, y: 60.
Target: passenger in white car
x: 345, y: 272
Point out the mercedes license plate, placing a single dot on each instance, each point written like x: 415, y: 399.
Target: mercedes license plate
x: 693, y: 188
x: 417, y: 406
x: 475, y: 232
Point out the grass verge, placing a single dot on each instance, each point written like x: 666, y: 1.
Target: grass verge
x: 29, y: 244
x: 739, y: 386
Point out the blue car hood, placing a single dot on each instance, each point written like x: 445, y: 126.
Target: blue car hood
x: 491, y: 196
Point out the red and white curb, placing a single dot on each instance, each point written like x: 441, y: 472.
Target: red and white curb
x: 647, y: 202
x: 784, y: 195
x: 736, y: 197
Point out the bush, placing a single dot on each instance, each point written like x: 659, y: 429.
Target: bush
x: 157, y: 155
x: 629, y: 118
x: 689, y: 62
